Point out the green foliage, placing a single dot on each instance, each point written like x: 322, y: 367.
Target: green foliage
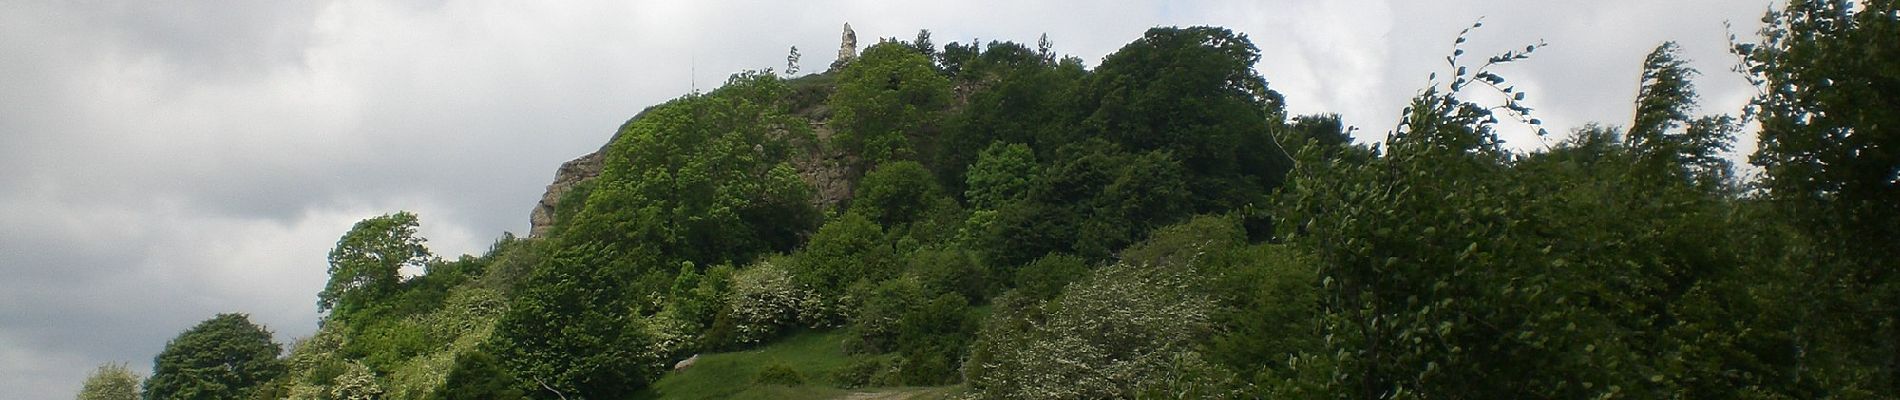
x: 897, y: 193
x: 356, y: 383
x: 814, y: 355
x: 869, y: 371
x: 779, y: 374
x: 1016, y: 97
x: 932, y: 337
x: 765, y: 300
x: 1045, y: 278
x: 110, y: 382
x: 1003, y: 172
x: 1193, y: 92
x: 876, y: 320
x: 887, y: 99
x: 1091, y: 200
x: 702, y: 178
x: 1663, y: 105
x: 943, y: 269
x: 1830, y: 154
x: 1116, y: 334
x: 577, y: 327
x: 1436, y: 263
x: 221, y: 358
x: 366, y: 264
x: 477, y: 375
x: 846, y: 250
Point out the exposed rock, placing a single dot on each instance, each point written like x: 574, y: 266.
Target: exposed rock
x: 571, y: 174
x: 847, y: 48
x: 826, y: 170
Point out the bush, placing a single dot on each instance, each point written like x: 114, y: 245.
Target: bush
x: 880, y: 310
x: 1121, y: 332
x: 868, y: 371
x: 1047, y: 276
x: 842, y: 252
x: 932, y: 338
x: 951, y: 270
x: 896, y: 193
x: 765, y: 300
x: 779, y: 374
x: 477, y: 376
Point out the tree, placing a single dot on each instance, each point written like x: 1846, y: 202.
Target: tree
x: 1193, y: 92
x: 897, y: 193
x: 791, y: 62
x: 846, y: 250
x: 477, y: 376
x: 1002, y: 173
x: 1667, y: 139
x: 110, y: 382
x: 886, y: 99
x: 367, y: 262
x: 1828, y: 73
x: 221, y: 358
x: 702, y: 178
x: 923, y: 45
x: 577, y: 328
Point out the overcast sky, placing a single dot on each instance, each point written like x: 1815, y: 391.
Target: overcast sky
x: 162, y: 162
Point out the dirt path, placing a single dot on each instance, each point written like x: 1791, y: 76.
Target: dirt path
x: 900, y: 394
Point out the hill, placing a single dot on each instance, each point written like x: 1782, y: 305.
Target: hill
x: 995, y: 221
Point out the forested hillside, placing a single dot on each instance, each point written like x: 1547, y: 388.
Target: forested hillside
x: 1018, y: 225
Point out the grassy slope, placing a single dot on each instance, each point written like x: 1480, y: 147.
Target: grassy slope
x: 730, y: 375
x: 813, y: 354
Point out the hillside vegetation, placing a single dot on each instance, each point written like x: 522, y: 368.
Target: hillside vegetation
x: 1022, y: 226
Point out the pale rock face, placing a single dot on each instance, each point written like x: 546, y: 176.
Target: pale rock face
x: 571, y: 174
x: 847, y: 47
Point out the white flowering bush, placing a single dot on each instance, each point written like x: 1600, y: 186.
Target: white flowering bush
x: 765, y: 299
x: 356, y: 383
x: 1127, y: 331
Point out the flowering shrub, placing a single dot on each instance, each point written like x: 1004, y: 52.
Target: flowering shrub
x: 1125, y: 331
x: 764, y: 300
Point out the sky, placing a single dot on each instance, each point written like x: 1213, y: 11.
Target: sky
x: 163, y: 162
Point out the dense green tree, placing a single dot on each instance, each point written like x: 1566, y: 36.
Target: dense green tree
x: 221, y: 358
x: 1193, y: 92
x: 886, y: 101
x: 1015, y: 98
x: 1828, y: 73
x: 897, y: 193
x: 478, y: 376
x: 578, y: 328
x: 110, y: 382
x: 703, y: 178
x: 949, y: 269
x: 1124, y: 331
x: 1003, y: 172
x: 367, y: 263
x: 1665, y: 136
x: 1091, y: 200
x: 847, y: 250
x: 1045, y: 278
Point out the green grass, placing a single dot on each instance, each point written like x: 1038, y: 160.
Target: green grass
x: 731, y: 375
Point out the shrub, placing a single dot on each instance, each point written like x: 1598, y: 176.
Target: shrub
x: 765, y: 300
x: 779, y: 374
x: 1045, y: 278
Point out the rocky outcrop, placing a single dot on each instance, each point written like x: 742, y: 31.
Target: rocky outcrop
x: 847, y: 48
x: 826, y: 170
x: 571, y: 174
